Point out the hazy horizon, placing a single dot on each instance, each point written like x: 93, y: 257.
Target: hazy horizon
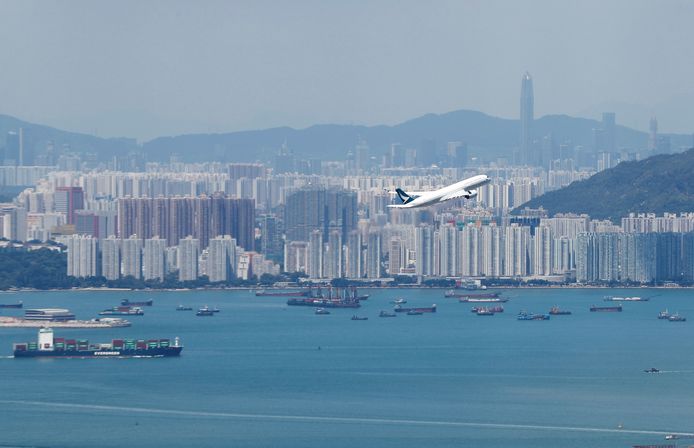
x: 156, y: 69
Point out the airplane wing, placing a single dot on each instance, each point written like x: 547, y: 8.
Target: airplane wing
x: 455, y: 195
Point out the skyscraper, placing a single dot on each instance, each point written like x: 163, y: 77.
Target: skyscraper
x: 609, y: 124
x: 526, y: 120
x: 68, y: 200
x: 653, y: 134
x: 221, y: 259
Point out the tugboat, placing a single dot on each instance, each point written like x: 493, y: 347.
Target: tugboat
x: 355, y: 317
x: 321, y: 311
x: 386, y: 314
x: 205, y: 311
x: 184, y: 308
x: 556, y: 311
x: 664, y: 315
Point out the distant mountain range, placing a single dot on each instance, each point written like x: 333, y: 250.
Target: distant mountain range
x: 487, y: 136
x: 659, y: 184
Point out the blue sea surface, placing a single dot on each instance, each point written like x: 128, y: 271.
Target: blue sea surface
x: 263, y: 374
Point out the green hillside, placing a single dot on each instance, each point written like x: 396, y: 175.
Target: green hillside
x: 663, y: 183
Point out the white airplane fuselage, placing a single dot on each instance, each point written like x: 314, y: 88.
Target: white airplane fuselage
x: 465, y: 189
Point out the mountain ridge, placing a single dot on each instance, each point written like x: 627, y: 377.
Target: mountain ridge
x: 486, y: 135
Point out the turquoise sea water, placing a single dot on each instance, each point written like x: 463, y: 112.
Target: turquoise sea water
x: 254, y: 375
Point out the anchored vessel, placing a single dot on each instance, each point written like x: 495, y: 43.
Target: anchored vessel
x: 19, y: 304
x: 532, y: 316
x: 606, y: 309
x: 122, y: 311
x: 126, y: 302
x: 556, y: 311
x: 423, y: 309
x: 50, y: 347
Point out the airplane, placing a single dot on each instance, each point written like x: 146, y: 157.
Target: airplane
x: 464, y: 189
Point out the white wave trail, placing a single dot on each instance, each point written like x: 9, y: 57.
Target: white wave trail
x: 346, y: 420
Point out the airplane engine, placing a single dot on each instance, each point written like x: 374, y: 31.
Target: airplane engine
x: 469, y: 194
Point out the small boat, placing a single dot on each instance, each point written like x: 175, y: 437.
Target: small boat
x: 652, y: 370
x: 126, y: 302
x: 184, y: 308
x: 321, y: 311
x: 677, y: 318
x: 414, y: 312
x: 355, y: 317
x: 664, y: 314
x: 205, y: 311
x: 386, y: 314
x: 19, y: 304
x: 399, y: 301
x: 556, y: 311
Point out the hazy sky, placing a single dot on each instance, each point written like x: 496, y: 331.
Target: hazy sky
x: 145, y: 69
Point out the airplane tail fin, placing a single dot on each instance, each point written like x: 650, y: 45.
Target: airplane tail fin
x: 404, y: 197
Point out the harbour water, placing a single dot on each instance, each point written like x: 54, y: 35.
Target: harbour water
x: 262, y: 374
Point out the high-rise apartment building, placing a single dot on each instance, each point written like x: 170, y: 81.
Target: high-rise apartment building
x: 188, y: 254
x: 68, y: 200
x: 110, y: 258
x: 131, y: 257
x: 221, y: 258
x: 153, y: 259
x: 81, y: 256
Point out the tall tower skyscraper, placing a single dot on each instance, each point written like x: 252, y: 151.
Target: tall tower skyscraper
x: 653, y: 134
x: 526, y: 119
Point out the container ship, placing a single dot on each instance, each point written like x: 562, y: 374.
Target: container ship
x: 126, y: 302
x: 606, y: 309
x: 50, y: 347
x: 424, y: 309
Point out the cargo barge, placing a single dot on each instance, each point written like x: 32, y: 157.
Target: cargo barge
x: 532, y: 316
x: 424, y: 309
x: 126, y: 302
x: 48, y: 346
x: 324, y: 303
x: 19, y: 304
x: 483, y: 300
x: 263, y: 293
x: 122, y: 311
x: 485, y: 295
x: 606, y: 309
